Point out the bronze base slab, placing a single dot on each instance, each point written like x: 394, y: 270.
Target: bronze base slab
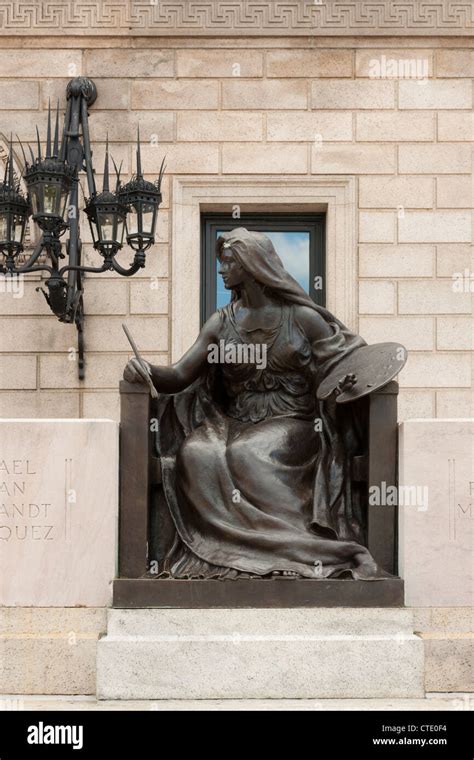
x: 136, y: 593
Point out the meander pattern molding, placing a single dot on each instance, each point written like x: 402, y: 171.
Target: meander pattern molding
x: 297, y: 17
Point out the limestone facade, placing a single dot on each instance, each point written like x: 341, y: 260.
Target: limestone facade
x: 280, y: 94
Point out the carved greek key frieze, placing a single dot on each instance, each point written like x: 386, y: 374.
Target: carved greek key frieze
x: 234, y: 17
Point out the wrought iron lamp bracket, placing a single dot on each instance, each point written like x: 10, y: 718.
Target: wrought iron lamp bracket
x: 61, y: 168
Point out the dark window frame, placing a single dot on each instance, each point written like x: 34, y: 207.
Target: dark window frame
x: 211, y: 222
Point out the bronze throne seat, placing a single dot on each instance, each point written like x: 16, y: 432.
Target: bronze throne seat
x: 142, y: 521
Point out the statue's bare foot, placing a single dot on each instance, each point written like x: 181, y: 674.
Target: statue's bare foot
x: 285, y: 573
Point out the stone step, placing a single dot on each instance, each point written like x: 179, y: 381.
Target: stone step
x: 449, y: 661
x: 258, y: 654
x: 448, y: 638
x: 255, y: 622
x: 49, y: 650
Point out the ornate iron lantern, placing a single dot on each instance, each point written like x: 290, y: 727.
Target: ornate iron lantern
x: 107, y: 213
x: 142, y: 199
x: 53, y: 185
x: 49, y: 181
x: 14, y: 213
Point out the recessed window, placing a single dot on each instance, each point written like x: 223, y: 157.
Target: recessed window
x: 298, y: 240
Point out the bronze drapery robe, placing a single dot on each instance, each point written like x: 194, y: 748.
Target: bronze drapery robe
x: 251, y: 486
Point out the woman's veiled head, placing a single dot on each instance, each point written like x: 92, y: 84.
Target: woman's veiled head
x: 255, y: 253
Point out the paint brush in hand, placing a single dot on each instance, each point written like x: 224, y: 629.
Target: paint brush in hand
x: 153, y: 391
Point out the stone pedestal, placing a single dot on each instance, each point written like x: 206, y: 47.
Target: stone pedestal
x: 252, y: 654
x: 436, y: 512
x: 58, y: 512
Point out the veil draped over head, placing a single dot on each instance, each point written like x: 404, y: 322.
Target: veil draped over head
x: 256, y: 254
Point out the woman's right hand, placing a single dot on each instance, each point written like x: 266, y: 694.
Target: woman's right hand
x: 135, y: 371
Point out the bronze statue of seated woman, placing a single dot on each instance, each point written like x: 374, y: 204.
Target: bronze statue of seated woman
x: 256, y: 470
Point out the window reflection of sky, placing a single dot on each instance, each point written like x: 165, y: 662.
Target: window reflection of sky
x: 292, y: 248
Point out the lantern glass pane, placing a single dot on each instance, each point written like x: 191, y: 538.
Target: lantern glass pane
x: 106, y: 222
x: 35, y: 201
x: 120, y: 228
x: 18, y: 223
x: 148, y: 213
x: 51, y: 199
x: 132, y: 219
x: 4, y: 227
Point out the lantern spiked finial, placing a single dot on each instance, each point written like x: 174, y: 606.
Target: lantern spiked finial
x: 56, y: 133
x: 31, y: 154
x: 39, y: 143
x: 5, y: 174
x: 117, y: 174
x: 23, y: 152
x: 11, y: 178
x: 139, y: 156
x: 48, y: 132
x: 162, y: 171
x: 63, y: 148
x: 105, y: 185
